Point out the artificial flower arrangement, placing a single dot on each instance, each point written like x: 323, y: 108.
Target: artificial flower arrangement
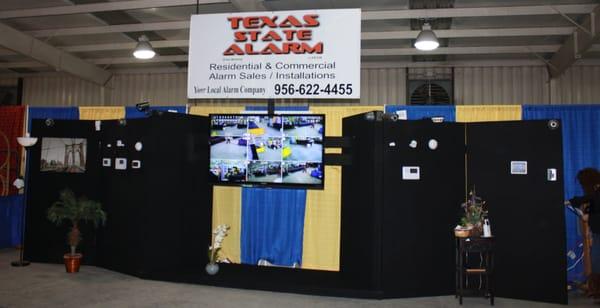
x: 474, y: 212
x: 219, y: 235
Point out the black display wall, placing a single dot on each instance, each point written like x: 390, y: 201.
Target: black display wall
x: 159, y: 215
x: 419, y: 215
x: 44, y: 241
x: 526, y: 211
x: 361, y: 222
x: 406, y: 225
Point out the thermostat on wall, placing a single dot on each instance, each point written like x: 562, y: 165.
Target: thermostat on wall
x: 411, y: 173
x: 518, y: 167
x: 120, y: 163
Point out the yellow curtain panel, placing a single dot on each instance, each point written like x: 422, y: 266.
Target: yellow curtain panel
x: 101, y: 113
x: 488, y: 113
x: 321, y: 247
x: 227, y: 201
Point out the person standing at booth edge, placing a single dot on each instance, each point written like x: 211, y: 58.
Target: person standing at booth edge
x: 589, y: 179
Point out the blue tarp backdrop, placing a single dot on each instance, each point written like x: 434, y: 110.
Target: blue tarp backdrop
x: 272, y: 225
x: 581, y: 148
x: 421, y: 112
x: 56, y: 113
x: 11, y: 208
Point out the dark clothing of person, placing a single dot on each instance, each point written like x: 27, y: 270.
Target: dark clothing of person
x: 593, y: 210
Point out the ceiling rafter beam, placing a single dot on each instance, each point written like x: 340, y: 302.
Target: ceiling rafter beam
x: 457, y: 33
x: 460, y: 50
x: 48, y: 55
x: 390, y: 35
x: 403, y: 34
x: 366, y: 15
x: 153, y: 26
x: 365, y: 53
x: 101, y: 7
x: 577, y: 44
x: 478, y: 12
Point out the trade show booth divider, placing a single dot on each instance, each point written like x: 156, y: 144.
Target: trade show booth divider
x: 156, y: 197
x: 321, y: 249
x: 399, y: 225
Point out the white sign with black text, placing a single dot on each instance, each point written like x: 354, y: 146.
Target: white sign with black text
x: 283, y: 54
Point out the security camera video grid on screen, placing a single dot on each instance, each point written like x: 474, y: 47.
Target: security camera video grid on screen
x: 280, y: 150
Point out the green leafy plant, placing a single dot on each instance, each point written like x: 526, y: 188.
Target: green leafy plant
x: 474, y: 211
x: 75, y: 210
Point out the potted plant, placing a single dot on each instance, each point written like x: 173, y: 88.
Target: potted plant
x: 472, y: 221
x: 75, y: 210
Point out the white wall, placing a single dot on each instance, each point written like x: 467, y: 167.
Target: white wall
x: 472, y: 85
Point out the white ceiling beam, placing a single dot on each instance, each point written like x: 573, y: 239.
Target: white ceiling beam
x: 460, y: 50
x: 366, y: 15
x: 406, y: 34
x: 577, y: 44
x: 388, y: 35
x: 153, y: 26
x: 478, y: 12
x: 457, y: 33
x: 365, y: 53
x: 51, y: 56
x: 125, y: 46
x: 130, y: 60
x: 101, y: 7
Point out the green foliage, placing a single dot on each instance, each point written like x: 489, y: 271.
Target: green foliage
x: 75, y: 210
x: 474, y: 211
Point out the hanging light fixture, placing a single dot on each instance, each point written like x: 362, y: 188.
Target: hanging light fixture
x: 426, y: 40
x: 143, y: 50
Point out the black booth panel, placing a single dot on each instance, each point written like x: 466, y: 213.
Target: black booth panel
x: 360, y: 246
x: 179, y: 215
x: 125, y: 196
x: 44, y: 241
x: 526, y: 211
x: 419, y: 215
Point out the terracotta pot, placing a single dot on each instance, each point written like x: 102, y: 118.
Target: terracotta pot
x: 72, y: 262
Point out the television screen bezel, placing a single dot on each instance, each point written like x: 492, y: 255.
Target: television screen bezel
x: 215, y: 182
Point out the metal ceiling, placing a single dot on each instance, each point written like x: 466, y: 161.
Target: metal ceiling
x: 103, y: 32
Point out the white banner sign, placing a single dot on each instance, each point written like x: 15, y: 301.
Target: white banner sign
x: 283, y: 54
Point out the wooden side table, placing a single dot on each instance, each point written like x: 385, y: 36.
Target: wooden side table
x: 475, y: 246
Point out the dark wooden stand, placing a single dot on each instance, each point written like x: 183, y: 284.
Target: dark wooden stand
x: 474, y: 246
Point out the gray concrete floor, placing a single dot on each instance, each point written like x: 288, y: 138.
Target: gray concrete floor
x: 47, y: 285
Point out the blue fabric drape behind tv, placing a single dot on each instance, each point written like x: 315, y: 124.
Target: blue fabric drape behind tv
x: 425, y: 112
x: 132, y: 113
x: 56, y: 113
x: 11, y: 208
x: 272, y: 225
x: 581, y: 148
x: 273, y: 219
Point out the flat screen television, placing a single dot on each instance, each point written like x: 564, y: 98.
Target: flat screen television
x: 260, y: 150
